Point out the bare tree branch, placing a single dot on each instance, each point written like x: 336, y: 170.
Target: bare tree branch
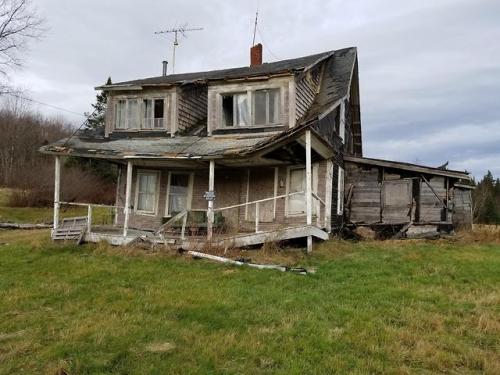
x: 19, y: 23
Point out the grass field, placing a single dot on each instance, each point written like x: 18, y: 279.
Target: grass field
x: 386, y: 307
x: 38, y: 215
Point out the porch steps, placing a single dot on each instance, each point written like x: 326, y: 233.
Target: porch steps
x: 72, y: 228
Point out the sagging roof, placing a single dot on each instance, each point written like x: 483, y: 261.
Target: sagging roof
x: 279, y: 67
x: 335, y: 83
x: 187, y: 147
x: 463, y: 175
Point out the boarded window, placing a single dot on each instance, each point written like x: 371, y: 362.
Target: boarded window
x: 397, y: 201
x: 266, y: 107
x: 146, y: 191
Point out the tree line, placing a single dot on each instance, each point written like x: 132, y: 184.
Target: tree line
x: 486, y: 200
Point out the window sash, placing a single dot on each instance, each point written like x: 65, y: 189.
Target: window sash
x: 141, y: 113
x: 146, y: 192
x: 269, y: 99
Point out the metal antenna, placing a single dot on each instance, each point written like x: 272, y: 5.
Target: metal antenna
x: 255, y: 26
x: 176, y: 30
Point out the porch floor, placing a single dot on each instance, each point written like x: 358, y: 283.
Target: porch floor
x: 114, y: 236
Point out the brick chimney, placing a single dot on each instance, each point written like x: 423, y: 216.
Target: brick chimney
x: 256, y: 55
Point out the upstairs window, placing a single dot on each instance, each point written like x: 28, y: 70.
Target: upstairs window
x: 141, y: 114
x: 251, y: 108
x: 235, y: 109
x: 153, y: 114
x: 266, y: 107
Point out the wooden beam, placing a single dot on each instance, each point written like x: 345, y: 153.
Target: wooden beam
x: 57, y: 190
x: 308, y: 187
x: 128, y: 193
x: 210, y: 210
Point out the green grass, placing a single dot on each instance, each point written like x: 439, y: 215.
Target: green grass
x: 387, y: 307
x: 37, y: 215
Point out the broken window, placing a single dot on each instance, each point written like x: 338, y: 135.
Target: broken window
x: 235, y: 110
x: 146, y: 191
x: 266, y: 107
x: 153, y: 113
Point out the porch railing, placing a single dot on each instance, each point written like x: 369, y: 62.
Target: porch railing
x: 90, y: 211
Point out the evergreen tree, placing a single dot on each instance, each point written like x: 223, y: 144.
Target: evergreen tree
x: 96, y: 118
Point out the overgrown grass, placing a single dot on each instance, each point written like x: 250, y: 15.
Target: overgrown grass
x: 37, y: 215
x: 374, y: 307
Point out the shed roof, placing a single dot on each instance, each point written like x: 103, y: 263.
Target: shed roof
x: 409, y: 167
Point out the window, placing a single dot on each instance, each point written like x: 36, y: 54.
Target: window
x: 140, y: 114
x: 342, y: 121
x: 146, y: 191
x: 153, y: 113
x: 266, y: 107
x: 179, y: 193
x: 340, y: 192
x: 235, y: 110
x: 120, y: 108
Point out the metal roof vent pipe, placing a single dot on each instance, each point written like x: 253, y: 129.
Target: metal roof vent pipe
x: 165, y: 64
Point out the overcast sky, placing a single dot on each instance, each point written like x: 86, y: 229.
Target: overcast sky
x: 429, y: 70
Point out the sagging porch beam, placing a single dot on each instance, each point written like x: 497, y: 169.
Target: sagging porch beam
x: 128, y: 193
x: 308, y: 186
x: 57, y: 190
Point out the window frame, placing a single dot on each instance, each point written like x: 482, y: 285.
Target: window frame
x: 189, y: 197
x: 166, y: 123
x: 145, y: 172
x: 250, y: 92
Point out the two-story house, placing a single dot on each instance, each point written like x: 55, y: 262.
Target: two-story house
x: 234, y: 157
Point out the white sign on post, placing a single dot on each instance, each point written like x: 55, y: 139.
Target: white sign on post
x: 209, y: 195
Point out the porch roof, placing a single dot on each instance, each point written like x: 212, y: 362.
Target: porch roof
x: 185, y: 147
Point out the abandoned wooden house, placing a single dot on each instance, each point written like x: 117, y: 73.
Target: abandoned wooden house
x: 242, y: 156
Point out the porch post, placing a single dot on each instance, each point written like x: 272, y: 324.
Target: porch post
x: 128, y: 193
x: 57, y: 190
x: 210, y: 210
x: 308, y: 188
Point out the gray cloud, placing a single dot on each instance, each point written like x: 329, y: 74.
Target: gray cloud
x: 430, y: 78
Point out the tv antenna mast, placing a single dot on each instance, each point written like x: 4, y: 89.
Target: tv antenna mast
x: 178, y: 30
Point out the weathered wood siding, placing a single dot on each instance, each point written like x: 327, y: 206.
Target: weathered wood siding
x: 231, y: 189
x: 462, y: 208
x: 192, y: 107
x: 306, y: 87
x: 365, y: 202
x: 431, y: 209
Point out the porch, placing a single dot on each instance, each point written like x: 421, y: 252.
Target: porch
x: 223, y: 202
